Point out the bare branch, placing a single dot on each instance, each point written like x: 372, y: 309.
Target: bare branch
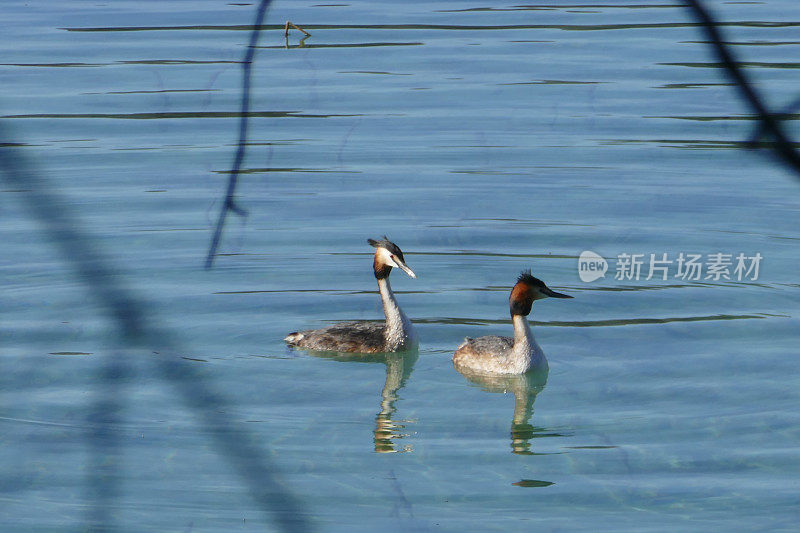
x: 770, y: 124
x: 229, y: 204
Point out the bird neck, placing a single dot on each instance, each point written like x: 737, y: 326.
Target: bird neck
x: 522, y: 331
x: 398, y: 326
x: 526, y: 353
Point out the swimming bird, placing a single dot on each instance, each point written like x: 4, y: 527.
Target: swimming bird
x: 506, y: 355
x: 396, y: 334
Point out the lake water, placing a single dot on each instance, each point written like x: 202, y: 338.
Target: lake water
x: 483, y: 139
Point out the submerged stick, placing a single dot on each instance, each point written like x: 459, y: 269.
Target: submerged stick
x: 295, y: 26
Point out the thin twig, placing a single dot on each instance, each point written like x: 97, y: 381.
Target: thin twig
x: 229, y: 203
x: 770, y: 124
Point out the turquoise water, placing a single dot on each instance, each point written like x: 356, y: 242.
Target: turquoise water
x: 483, y: 139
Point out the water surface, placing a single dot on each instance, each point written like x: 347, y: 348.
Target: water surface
x: 483, y: 139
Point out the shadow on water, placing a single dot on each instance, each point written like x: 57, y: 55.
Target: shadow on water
x: 399, y: 366
x: 525, y: 388
x: 138, y: 338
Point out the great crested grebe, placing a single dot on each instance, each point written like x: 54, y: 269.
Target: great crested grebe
x: 396, y: 334
x: 504, y: 355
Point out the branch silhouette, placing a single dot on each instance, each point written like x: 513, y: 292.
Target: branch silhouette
x: 769, y: 123
x: 229, y: 202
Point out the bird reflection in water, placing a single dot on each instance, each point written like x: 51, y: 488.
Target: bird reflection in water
x: 524, y: 387
x: 399, y: 365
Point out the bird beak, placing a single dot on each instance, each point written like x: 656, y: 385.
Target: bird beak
x: 405, y: 269
x: 553, y: 294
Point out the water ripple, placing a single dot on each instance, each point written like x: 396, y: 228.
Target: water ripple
x: 181, y: 114
x: 594, y: 323
x: 452, y: 27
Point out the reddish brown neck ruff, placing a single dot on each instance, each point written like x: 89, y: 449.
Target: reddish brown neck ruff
x: 521, y: 299
x: 382, y: 270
